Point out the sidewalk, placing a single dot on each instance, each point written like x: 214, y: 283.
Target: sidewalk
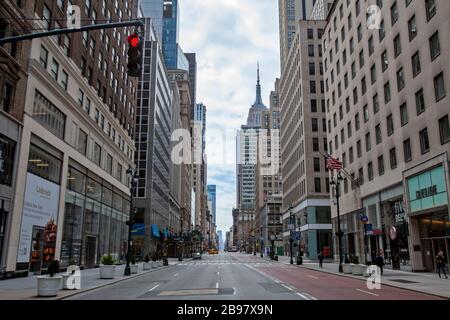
x: 424, y: 282
x: 26, y: 288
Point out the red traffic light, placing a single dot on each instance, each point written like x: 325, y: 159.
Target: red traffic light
x: 133, y: 40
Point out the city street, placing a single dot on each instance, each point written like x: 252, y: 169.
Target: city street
x: 237, y: 276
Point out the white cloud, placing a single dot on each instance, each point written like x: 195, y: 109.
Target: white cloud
x: 229, y: 37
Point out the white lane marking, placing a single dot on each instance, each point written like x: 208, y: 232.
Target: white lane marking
x: 154, y: 288
x: 304, y: 297
x: 289, y: 288
x: 314, y: 277
x: 176, y: 274
x: 373, y: 294
x: 217, y: 285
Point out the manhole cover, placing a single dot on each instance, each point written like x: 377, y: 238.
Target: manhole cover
x: 403, y: 281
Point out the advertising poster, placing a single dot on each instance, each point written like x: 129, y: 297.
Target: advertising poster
x: 40, y: 212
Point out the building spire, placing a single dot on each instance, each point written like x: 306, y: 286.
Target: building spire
x: 258, y: 102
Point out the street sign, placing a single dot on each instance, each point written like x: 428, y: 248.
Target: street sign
x: 364, y: 219
x: 368, y: 229
x: 295, y: 235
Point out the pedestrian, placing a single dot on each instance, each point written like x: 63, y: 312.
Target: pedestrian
x: 379, y: 261
x: 374, y: 256
x: 320, y: 256
x: 440, y: 261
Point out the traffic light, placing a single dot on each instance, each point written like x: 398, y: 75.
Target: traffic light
x: 134, y: 55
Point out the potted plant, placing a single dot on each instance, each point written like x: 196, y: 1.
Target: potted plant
x: 134, y: 268
x: 346, y: 266
x: 147, y: 265
x: 107, y: 267
x: 48, y: 285
x: 160, y: 261
x: 154, y: 263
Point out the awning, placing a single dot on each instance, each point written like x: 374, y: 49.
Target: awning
x: 155, y: 231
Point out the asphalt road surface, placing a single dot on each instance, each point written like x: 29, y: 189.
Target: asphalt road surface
x: 236, y: 276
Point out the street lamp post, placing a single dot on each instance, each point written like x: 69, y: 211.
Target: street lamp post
x: 337, y: 183
x: 132, y: 175
x: 262, y: 242
x: 291, y: 229
x: 300, y: 253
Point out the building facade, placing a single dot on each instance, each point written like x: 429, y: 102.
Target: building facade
x: 387, y: 80
x: 304, y: 143
x: 290, y: 11
x: 153, y: 147
x: 76, y: 144
x: 13, y: 80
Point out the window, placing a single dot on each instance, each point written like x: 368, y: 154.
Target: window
x: 387, y: 92
x: 43, y: 58
x: 349, y: 129
x: 370, y: 171
x: 384, y: 61
x: 312, y: 69
x: 381, y: 31
x: 368, y: 142
x: 119, y: 172
x: 311, y: 50
x: 313, y: 105
x: 310, y: 34
x: 415, y: 60
x: 47, y: 17
x: 54, y: 70
x: 358, y: 149
x: 312, y: 86
x: 7, y: 96
x: 357, y: 123
x: 424, y: 141
x: 315, y: 144
x: 397, y: 46
x: 412, y: 28
x: 64, y: 79
x: 376, y: 104
x: 361, y: 176
x: 97, y: 157
x: 317, y: 185
x: 380, y: 165
x: 109, y: 163
x: 373, y: 74
x: 407, y: 150
x: 80, y: 97
x: 439, y: 87
x: 82, y: 142
x: 444, y: 130
x: 390, y: 125
x: 316, y: 164
x: 431, y: 9
x: 435, y: 48
x: 394, y: 13
x: 403, y: 114
x: 420, y: 102
x: 314, y: 124
x: 400, y: 79
x: 393, y: 158
x: 366, y: 113
x: 48, y: 115
x: 378, y: 135
x: 7, y: 150
x: 350, y: 155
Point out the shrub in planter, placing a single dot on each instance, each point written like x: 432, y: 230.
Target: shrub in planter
x: 107, y: 268
x: 48, y: 285
x: 134, y: 267
x: 147, y: 265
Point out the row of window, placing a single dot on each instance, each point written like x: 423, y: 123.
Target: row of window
x: 444, y: 133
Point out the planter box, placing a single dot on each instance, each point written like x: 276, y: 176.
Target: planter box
x: 366, y: 272
x: 347, y: 268
x: 48, y: 286
x: 134, y: 268
x: 154, y: 264
x: 160, y: 263
x: 358, y: 269
x: 107, y: 271
x: 147, y: 266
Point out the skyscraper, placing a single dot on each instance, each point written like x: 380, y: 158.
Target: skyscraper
x: 290, y: 11
x: 212, y: 199
x: 173, y: 54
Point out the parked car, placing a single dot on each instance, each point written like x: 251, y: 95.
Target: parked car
x: 197, y: 255
x: 213, y: 251
x: 232, y: 249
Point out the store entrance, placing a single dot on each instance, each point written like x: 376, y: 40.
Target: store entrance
x: 91, y: 246
x: 432, y: 246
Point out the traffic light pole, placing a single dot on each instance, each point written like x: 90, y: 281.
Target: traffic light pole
x: 136, y: 23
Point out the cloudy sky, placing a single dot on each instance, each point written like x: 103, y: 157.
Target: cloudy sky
x: 229, y: 37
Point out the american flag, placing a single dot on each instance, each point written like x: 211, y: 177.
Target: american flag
x: 333, y: 164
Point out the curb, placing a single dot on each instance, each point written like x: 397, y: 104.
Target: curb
x: 77, y: 292
x: 385, y: 284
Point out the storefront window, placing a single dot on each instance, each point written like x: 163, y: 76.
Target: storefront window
x: 43, y: 164
x: 73, y: 223
x: 7, y: 148
x: 76, y: 181
x: 94, y: 189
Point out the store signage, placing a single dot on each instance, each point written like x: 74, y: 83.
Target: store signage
x: 393, y: 233
x: 40, y: 211
x: 426, y: 192
x: 364, y: 219
x: 399, y: 211
x: 368, y: 229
